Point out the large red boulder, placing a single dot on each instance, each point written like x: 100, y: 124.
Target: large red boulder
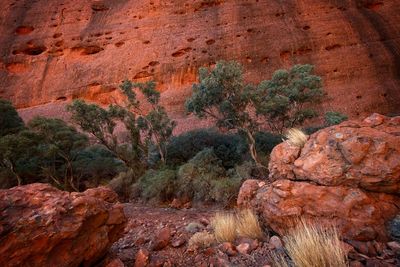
x: 43, y: 226
x: 348, y: 174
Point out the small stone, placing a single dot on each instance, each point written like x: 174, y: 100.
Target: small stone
x: 243, y: 248
x: 178, y: 242
x: 115, y: 263
x: 194, y: 227
x: 162, y: 239
x: 395, y: 246
x: 204, y: 221
x: 142, y: 258
x: 276, y: 242
x: 228, y: 248
x: 356, y: 264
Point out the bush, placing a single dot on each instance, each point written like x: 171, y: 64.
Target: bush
x: 229, y: 148
x: 158, y: 184
x: 10, y: 121
x: 95, y: 163
x: 195, y: 177
x: 266, y: 141
x: 333, y: 118
x: 122, y: 183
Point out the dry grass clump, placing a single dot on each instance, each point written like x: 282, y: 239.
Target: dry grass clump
x: 247, y: 225
x: 201, y: 240
x: 310, y: 244
x: 224, y: 225
x: 228, y: 226
x: 296, y: 137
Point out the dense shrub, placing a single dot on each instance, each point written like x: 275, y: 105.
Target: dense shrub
x: 122, y: 182
x: 10, y: 121
x: 204, y: 178
x: 158, y: 184
x: 333, y: 118
x: 266, y: 141
x: 229, y: 148
x: 96, y: 164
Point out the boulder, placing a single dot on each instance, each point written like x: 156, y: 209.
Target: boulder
x: 43, y: 226
x: 348, y: 174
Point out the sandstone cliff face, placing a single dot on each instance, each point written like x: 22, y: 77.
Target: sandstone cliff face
x: 55, y: 51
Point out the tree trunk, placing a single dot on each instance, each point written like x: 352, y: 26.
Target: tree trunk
x: 252, y: 148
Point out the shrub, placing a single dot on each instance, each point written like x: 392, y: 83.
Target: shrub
x: 122, y: 183
x: 158, y: 184
x: 227, y: 147
x: 310, y: 244
x: 95, y: 163
x: 201, y: 240
x: 247, y: 225
x: 10, y: 121
x: 333, y: 118
x: 224, y: 225
x: 296, y: 137
x: 204, y: 178
x: 266, y: 141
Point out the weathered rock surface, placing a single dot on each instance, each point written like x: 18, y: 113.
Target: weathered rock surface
x: 347, y: 174
x: 43, y: 226
x: 52, y: 52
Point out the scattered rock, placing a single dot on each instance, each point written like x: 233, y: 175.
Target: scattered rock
x: 194, y: 227
x: 63, y: 229
x: 243, y: 248
x: 276, y: 242
x: 394, y: 228
x: 228, y: 249
x: 162, y: 239
x: 395, y: 246
x: 142, y: 258
x: 115, y: 263
x: 178, y: 242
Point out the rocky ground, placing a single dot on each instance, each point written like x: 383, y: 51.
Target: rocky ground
x: 159, y: 236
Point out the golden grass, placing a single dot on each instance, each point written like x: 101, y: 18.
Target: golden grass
x: 296, y: 137
x: 201, y: 240
x: 228, y: 226
x: 247, y: 224
x: 310, y: 244
x: 224, y: 225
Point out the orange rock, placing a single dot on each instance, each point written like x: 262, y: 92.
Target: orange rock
x: 55, y: 52
x: 142, y: 258
x: 348, y: 175
x: 43, y: 226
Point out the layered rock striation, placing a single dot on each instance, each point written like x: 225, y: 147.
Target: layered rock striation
x: 53, y: 52
x: 347, y: 175
x: 43, y: 226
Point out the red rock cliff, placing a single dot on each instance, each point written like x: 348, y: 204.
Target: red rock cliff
x: 55, y: 51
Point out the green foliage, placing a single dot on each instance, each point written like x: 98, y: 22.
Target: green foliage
x: 49, y: 150
x: 95, y: 163
x: 10, y: 121
x: 158, y: 184
x: 122, y: 182
x: 203, y: 178
x: 154, y: 128
x: 229, y: 148
x: 284, y: 100
x: 333, y: 118
x: 281, y: 102
x: 266, y: 141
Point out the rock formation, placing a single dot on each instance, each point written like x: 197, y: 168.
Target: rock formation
x: 52, y: 52
x: 43, y: 226
x: 348, y: 175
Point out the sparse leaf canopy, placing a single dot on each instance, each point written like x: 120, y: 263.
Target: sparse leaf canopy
x: 222, y: 94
